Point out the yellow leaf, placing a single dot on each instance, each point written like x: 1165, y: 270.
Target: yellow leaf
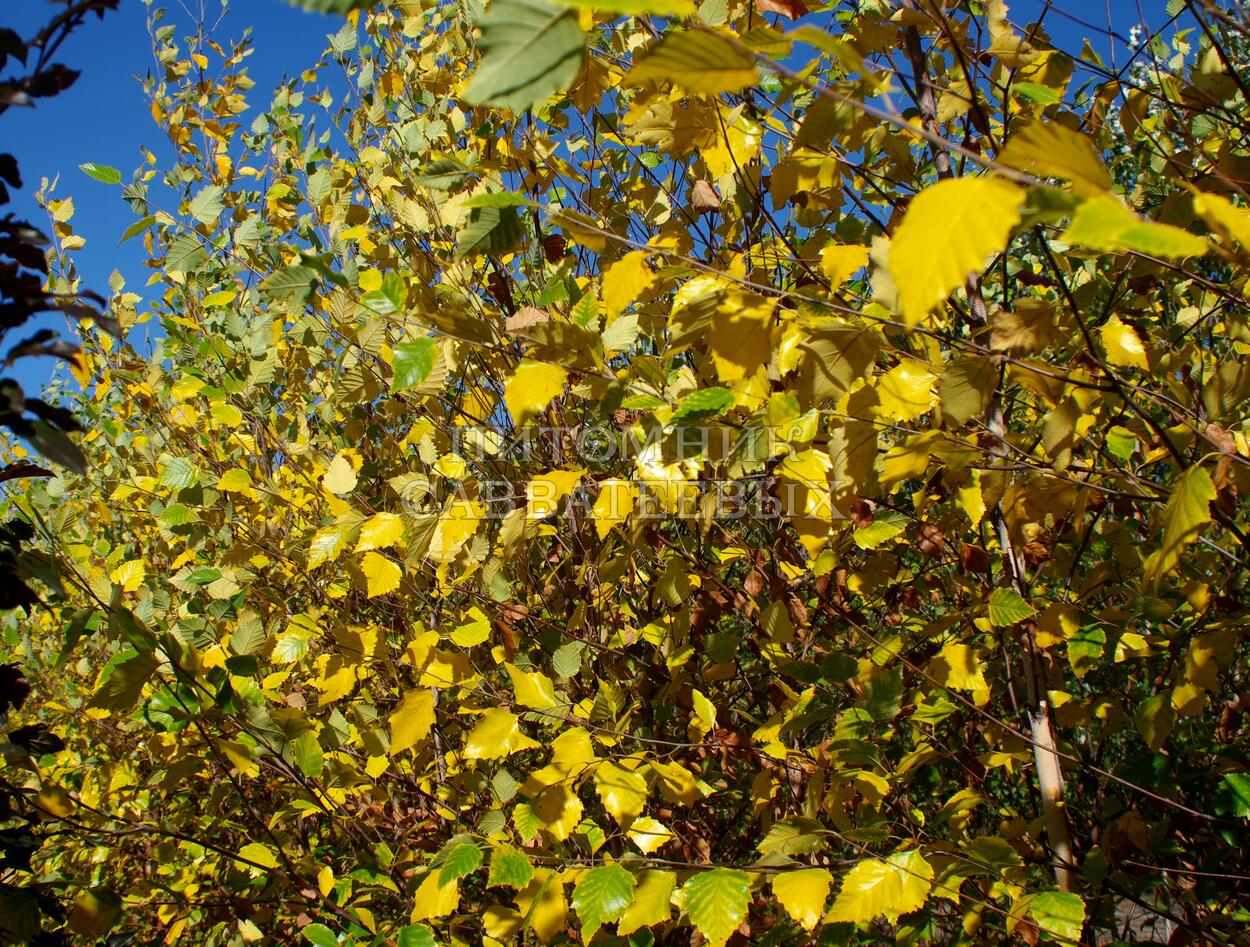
x: 336, y: 677
x: 652, y: 904
x: 1008, y: 47
x: 613, y: 505
x: 226, y: 414
x: 532, y: 688
x: 502, y: 924
x: 325, y: 880
x: 1187, y: 513
x: 698, y: 61
x: 497, y: 734
x: 971, y: 500
x: 649, y: 834
x: 626, y: 280
x: 676, y: 782
x: 327, y: 544
x: 1124, y: 347
x: 802, y: 893
x: 129, y: 575
x: 261, y: 854
x: 572, y: 750
x: 704, y: 717
x: 740, y: 340
x: 906, y: 391
x: 1048, y: 149
x: 412, y: 720
x: 622, y: 791
x: 558, y: 809
x: 1231, y: 222
x: 457, y: 523
x: 840, y: 263
x: 472, y: 632
x: 531, y: 388
x: 1058, y: 622
x: 948, y: 232
x: 381, y: 575
x: 542, y: 903
x: 875, y: 888
x: 545, y: 492
x: 433, y: 900
x: 235, y: 481
x: 340, y: 476
x: 54, y: 800
x: 379, y: 531
x: 956, y: 666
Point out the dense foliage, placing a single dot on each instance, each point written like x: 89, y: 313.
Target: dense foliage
x: 631, y: 472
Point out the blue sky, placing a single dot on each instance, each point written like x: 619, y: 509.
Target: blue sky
x: 104, y: 118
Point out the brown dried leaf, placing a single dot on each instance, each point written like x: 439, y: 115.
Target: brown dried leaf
x: 790, y: 9
x: 525, y: 317
x: 703, y: 198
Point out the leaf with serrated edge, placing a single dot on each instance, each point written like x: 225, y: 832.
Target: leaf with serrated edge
x: 716, y: 902
x: 969, y: 218
x: 602, y: 895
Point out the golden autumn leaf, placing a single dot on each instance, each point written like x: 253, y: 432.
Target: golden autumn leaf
x: 970, y: 218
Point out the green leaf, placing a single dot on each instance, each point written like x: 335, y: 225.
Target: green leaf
x: 445, y: 174
x: 177, y: 514
x: 498, y: 199
x: 603, y: 895
x: 126, y: 625
x: 389, y: 298
x: 510, y: 867
x: 1105, y: 223
x: 290, y: 284
x: 462, y: 860
x: 249, y: 636
x: 697, y: 61
x: 495, y: 230
x: 884, y: 527
x: 186, y: 254
x: 1059, y: 913
x: 180, y: 474
x: 1007, y: 608
x: 1187, y: 513
x: 124, y: 677
x: 1036, y: 92
x: 101, y: 172
x: 320, y: 935
x: 207, y: 205
x: 716, y: 902
x: 137, y: 228
x: 1155, y: 719
x: 704, y: 403
x: 566, y: 661
x: 204, y: 576
x: 418, y: 935
x: 413, y: 362
x: 1237, y: 787
x: 531, y: 49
